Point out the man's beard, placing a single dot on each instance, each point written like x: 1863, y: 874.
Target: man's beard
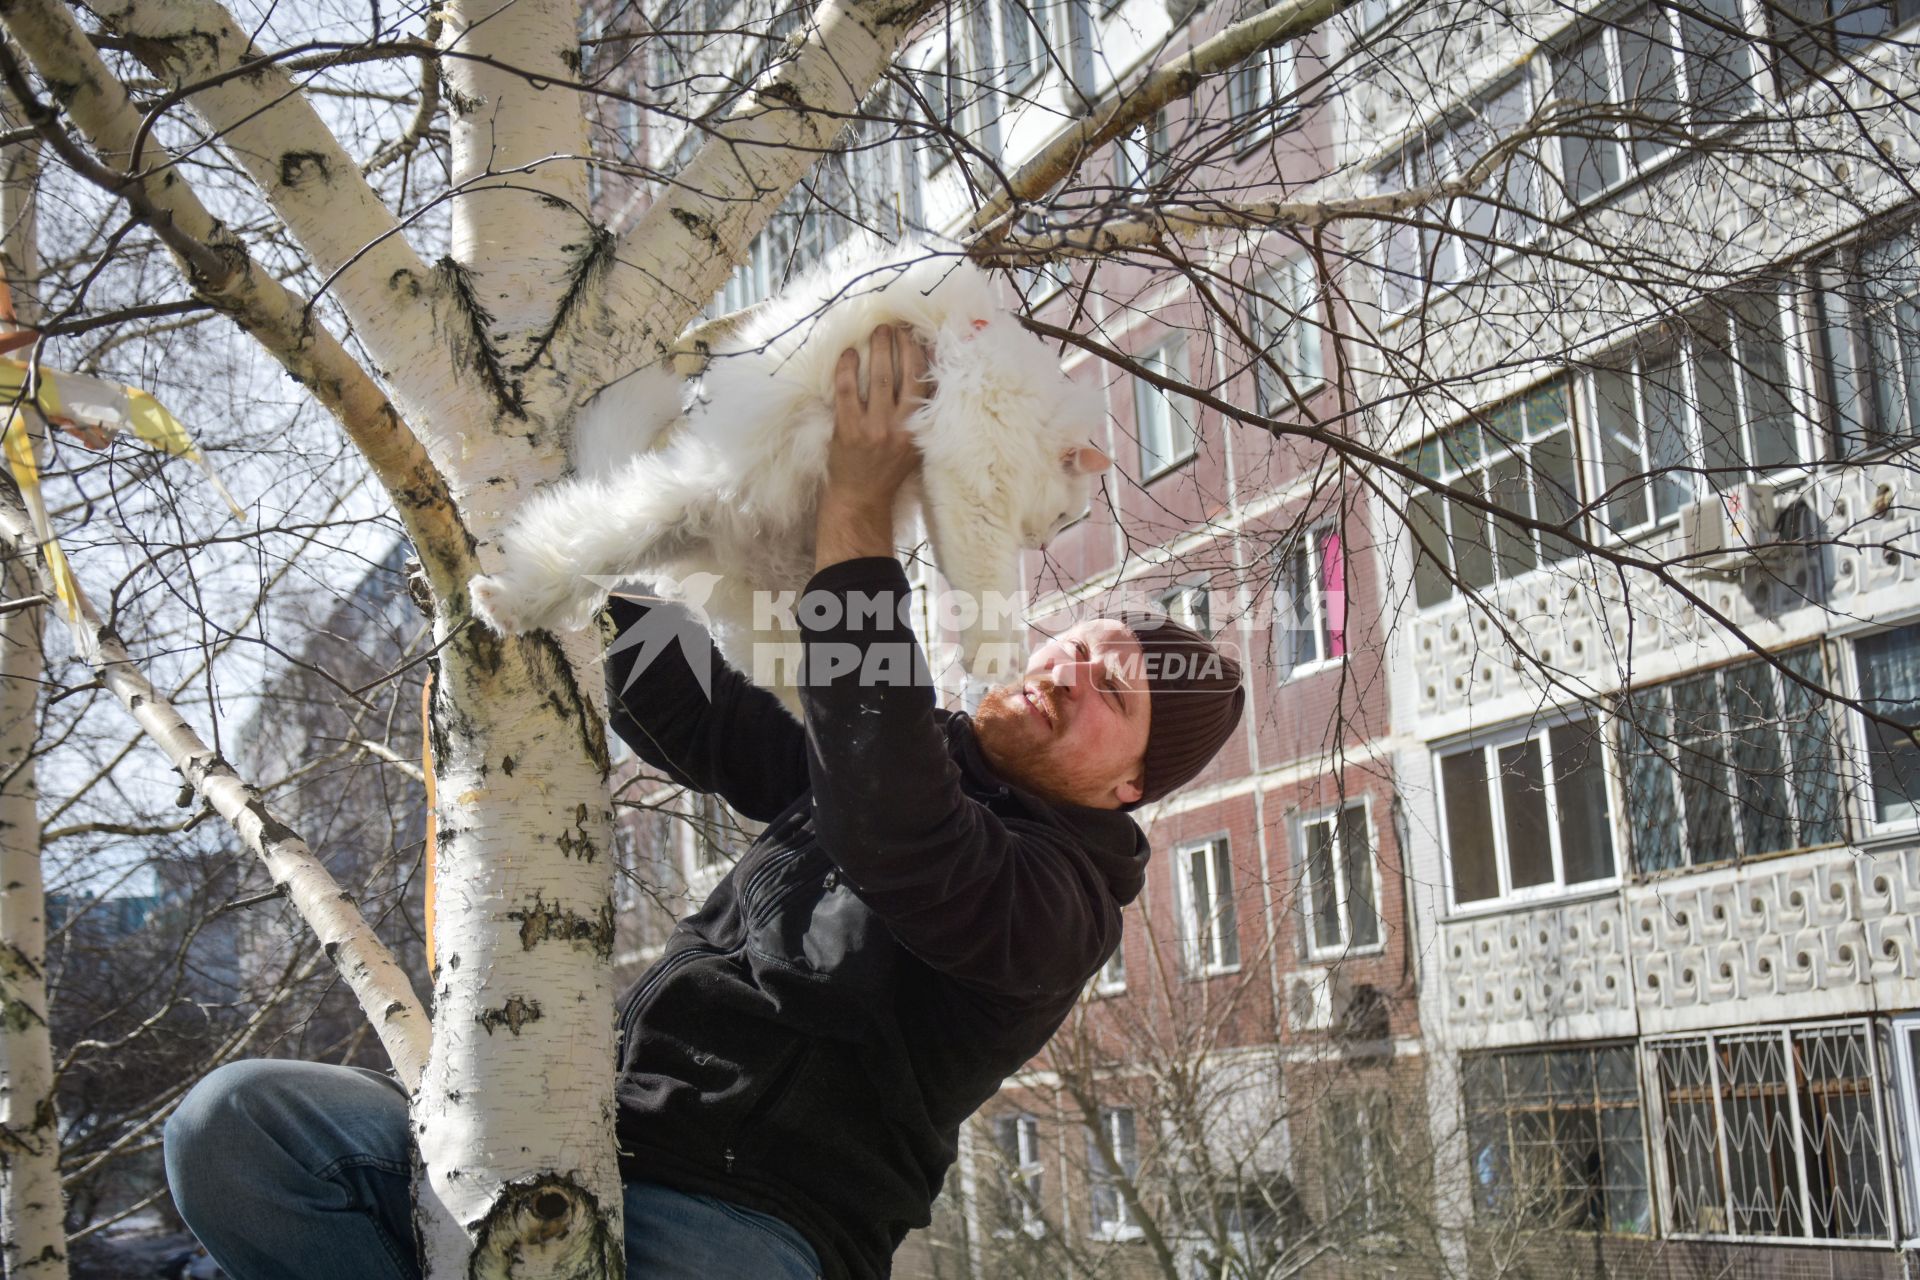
x: 1015, y: 745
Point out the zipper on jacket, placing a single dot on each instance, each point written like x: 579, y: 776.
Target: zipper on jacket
x: 631, y: 1014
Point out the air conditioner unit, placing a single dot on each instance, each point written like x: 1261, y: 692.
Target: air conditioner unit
x: 1313, y: 997
x: 1731, y: 530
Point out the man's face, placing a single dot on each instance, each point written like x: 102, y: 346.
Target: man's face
x: 1074, y: 726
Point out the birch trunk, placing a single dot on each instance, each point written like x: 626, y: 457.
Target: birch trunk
x: 33, y: 1235
x: 33, y: 1228
x: 514, y: 1119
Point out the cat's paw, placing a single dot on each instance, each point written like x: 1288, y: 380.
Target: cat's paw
x: 513, y: 607
x: 493, y: 604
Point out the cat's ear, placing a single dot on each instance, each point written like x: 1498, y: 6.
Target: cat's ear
x: 1086, y: 460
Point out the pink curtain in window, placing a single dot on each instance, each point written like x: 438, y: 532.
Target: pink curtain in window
x: 1333, y: 590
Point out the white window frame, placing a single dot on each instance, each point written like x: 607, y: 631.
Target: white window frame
x: 1204, y: 943
x: 1440, y: 264
x: 1345, y: 945
x: 1318, y: 606
x: 1870, y: 822
x: 1122, y: 1226
x: 1271, y: 79
x: 1023, y: 1172
x: 1111, y: 980
x: 1288, y: 322
x: 1038, y: 285
x: 1446, y: 468
x: 1172, y: 413
x: 1557, y: 887
x: 1654, y: 1098
x: 1906, y: 1085
x: 1687, y: 474
x: 1843, y: 274
x: 1632, y: 168
x: 937, y: 91
x: 1190, y: 605
x: 1141, y: 156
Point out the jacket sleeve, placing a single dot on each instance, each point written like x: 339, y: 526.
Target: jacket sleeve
x: 732, y: 738
x: 1011, y: 907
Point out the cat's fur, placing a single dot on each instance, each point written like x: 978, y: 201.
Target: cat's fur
x: 732, y: 486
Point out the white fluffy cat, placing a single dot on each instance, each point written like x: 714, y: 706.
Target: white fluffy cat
x: 731, y: 488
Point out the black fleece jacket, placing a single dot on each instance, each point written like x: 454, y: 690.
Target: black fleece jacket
x: 907, y: 932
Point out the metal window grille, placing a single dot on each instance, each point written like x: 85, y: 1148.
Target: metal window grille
x: 1773, y: 1134
x: 1730, y: 764
x: 1555, y: 1140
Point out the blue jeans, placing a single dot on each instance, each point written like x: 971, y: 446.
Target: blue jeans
x: 299, y: 1171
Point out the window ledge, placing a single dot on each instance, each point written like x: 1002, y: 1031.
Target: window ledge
x: 1282, y: 122
x: 1116, y: 1235
x: 1222, y: 971
x: 1306, y: 670
x: 1507, y: 906
x: 1334, y: 955
x: 1106, y: 991
x: 1170, y: 467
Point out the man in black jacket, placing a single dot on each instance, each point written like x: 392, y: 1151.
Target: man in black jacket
x: 929, y: 897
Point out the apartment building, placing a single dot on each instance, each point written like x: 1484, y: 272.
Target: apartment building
x: 1664, y: 892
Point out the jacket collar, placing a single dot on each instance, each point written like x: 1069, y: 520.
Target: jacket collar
x: 1109, y: 837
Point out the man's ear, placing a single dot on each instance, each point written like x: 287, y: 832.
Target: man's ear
x: 1131, y: 790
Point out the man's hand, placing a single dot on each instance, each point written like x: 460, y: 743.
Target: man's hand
x: 872, y: 455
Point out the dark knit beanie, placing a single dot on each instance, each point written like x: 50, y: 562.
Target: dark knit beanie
x: 1195, y: 695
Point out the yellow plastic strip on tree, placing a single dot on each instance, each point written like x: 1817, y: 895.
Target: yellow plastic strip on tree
x: 26, y: 474
x: 108, y: 407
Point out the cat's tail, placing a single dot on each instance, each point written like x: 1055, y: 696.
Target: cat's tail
x: 572, y: 543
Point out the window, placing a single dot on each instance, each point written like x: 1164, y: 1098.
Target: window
x: 1649, y: 79
x: 1729, y: 764
x: 1110, y: 1217
x: 1037, y: 284
x: 1310, y: 614
x: 1867, y: 343
x: 1260, y: 94
x: 1697, y: 407
x: 1773, y: 1133
x: 1164, y: 420
x: 1359, y: 1147
x: 1889, y: 673
x: 1016, y: 1139
x: 1454, y: 240
x: 1209, y: 926
x: 1112, y: 977
x: 939, y: 91
x: 1518, y: 456
x: 1813, y: 33
x: 1527, y: 817
x: 1906, y: 1068
x: 884, y: 175
x: 1140, y: 157
x: 1188, y: 606
x: 1337, y: 882
x: 1286, y: 323
x: 1554, y: 1139
x: 1020, y: 43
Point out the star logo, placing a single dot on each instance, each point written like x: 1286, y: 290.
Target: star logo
x: 677, y: 615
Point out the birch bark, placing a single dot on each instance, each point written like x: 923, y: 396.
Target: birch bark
x: 33, y: 1229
